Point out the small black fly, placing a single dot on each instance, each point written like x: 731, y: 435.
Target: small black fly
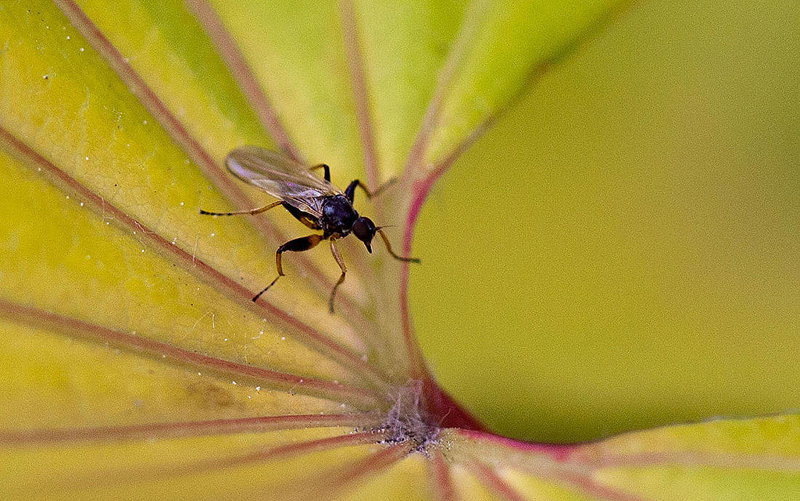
x: 313, y: 201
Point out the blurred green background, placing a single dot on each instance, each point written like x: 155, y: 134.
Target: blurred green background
x: 622, y: 250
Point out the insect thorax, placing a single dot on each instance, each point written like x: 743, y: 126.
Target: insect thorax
x: 338, y: 215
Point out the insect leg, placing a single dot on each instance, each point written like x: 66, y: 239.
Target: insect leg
x: 384, y: 186
x: 351, y: 188
x: 297, y: 245
x: 249, y: 211
x: 350, y: 191
x: 340, y: 262
x: 324, y: 167
x: 389, y: 248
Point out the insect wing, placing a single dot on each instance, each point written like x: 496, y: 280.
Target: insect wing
x: 281, y: 177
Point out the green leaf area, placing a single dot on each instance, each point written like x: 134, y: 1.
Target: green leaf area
x: 135, y: 364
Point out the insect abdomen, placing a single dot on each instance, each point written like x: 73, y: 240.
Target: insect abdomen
x: 303, y: 217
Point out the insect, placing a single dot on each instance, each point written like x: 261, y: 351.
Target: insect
x: 313, y: 201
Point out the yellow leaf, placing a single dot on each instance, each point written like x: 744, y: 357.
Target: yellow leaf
x: 137, y: 363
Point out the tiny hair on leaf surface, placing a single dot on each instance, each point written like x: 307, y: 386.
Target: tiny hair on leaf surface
x: 136, y: 363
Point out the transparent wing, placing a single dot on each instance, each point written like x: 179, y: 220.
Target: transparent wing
x: 281, y: 177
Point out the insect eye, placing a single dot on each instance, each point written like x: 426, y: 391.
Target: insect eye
x: 364, y: 229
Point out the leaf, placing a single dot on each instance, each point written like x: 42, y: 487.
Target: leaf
x: 634, y: 218
x: 723, y: 459
x: 136, y: 364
